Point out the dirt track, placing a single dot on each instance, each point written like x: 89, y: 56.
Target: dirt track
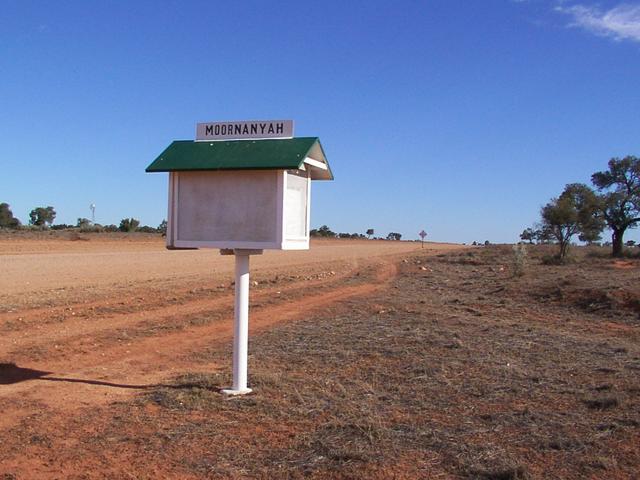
x: 87, y: 315
x: 377, y: 360
x: 53, y: 271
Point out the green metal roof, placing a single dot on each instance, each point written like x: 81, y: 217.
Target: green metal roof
x: 278, y: 154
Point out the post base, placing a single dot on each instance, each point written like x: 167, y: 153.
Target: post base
x: 232, y: 392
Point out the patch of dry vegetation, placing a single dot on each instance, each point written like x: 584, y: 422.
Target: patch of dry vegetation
x: 438, y: 376
x: 459, y: 369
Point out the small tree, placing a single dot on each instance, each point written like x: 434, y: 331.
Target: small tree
x: 576, y: 211
x: 528, y: 235
x: 620, y: 197
x: 129, y: 225
x: 41, y: 216
x: 370, y: 232
x: 394, y: 236
x: 7, y: 220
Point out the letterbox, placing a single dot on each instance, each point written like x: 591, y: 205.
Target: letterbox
x: 241, y: 194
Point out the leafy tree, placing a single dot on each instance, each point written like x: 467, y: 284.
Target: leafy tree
x: 620, y: 197
x: 544, y: 235
x: 394, y: 236
x: 129, y: 225
x: 575, y: 211
x: 630, y: 243
x: 323, y: 231
x: 83, y: 222
x: 7, y: 220
x: 370, y: 232
x: 591, y: 236
x: 162, y: 228
x: 528, y: 235
x: 41, y: 216
x: 537, y: 233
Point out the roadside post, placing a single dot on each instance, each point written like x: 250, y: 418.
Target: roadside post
x: 422, y: 235
x: 241, y: 187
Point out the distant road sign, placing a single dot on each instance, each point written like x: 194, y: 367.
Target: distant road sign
x: 422, y: 234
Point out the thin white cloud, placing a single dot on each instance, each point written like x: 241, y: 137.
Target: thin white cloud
x: 620, y: 23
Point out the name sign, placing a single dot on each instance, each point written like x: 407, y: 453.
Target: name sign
x: 244, y: 130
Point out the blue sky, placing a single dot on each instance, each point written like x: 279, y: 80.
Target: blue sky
x: 461, y: 118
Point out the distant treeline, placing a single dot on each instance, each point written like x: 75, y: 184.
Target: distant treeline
x: 325, y: 231
x: 42, y: 218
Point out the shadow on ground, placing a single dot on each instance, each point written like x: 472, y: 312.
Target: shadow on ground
x: 11, y: 373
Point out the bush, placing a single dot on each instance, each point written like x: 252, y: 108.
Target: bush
x: 128, y: 225
x: 147, y: 229
x: 89, y: 228
x: 83, y: 222
x: 61, y: 226
x: 323, y: 231
x: 557, y: 260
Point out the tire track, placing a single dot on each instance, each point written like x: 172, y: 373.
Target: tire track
x: 118, y: 370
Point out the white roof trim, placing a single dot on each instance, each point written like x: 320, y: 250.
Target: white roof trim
x: 315, y: 163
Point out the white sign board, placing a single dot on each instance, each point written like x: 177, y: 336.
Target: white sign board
x: 248, y: 129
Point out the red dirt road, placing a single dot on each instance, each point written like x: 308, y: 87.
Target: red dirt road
x: 38, y: 272
x: 373, y: 361
x: 102, y: 319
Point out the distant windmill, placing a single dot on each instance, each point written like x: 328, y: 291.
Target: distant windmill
x: 92, y: 207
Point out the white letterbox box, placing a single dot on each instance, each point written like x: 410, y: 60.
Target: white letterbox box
x: 241, y: 194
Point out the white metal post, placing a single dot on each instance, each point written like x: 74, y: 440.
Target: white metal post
x: 241, y: 325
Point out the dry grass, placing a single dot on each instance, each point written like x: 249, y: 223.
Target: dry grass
x: 455, y: 382
x: 458, y: 369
